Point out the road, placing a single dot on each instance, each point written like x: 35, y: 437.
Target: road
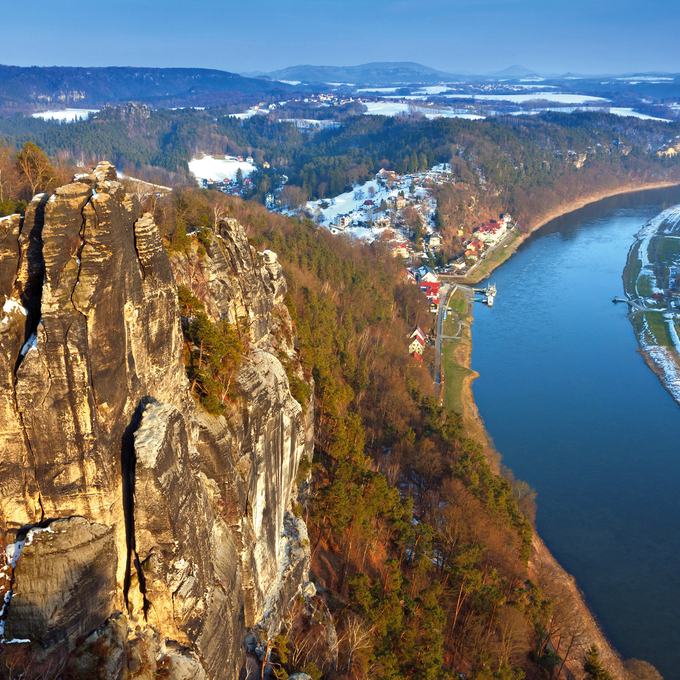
x: 453, y: 277
x: 443, y: 304
x: 445, y: 293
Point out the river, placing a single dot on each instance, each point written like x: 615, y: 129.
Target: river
x: 575, y: 412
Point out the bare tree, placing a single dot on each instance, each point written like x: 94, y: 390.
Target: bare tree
x: 514, y: 637
x: 641, y: 670
x: 356, y: 636
x: 293, y: 197
x: 34, y: 167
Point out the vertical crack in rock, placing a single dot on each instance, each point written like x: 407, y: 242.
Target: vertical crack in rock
x: 30, y: 272
x: 27, y: 288
x: 79, y: 262
x: 128, y: 461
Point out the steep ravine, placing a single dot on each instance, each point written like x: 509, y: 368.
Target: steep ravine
x: 141, y: 534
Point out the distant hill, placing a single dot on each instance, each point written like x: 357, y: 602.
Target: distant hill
x: 515, y: 71
x: 376, y: 73
x: 92, y: 87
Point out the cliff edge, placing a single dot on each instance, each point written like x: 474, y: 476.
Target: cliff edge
x: 142, y: 536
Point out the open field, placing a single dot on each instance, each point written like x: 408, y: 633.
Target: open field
x: 458, y: 302
x: 456, y: 355
x: 455, y: 375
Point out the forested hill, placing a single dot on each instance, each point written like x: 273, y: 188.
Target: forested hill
x: 528, y: 166
x: 90, y: 87
x: 376, y: 73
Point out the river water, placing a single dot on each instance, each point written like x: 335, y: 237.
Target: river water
x: 575, y: 412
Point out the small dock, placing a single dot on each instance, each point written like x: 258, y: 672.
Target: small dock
x: 488, y: 293
x: 636, y: 307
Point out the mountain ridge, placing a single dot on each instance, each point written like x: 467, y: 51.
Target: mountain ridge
x: 39, y: 86
x: 371, y: 73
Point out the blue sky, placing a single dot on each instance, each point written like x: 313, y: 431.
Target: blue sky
x: 480, y: 36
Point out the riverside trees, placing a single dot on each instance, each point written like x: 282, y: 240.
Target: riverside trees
x: 419, y: 549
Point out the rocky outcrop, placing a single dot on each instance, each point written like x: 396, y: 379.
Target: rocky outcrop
x: 136, y: 522
x: 64, y: 582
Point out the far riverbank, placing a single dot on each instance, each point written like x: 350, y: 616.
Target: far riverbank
x: 649, y: 283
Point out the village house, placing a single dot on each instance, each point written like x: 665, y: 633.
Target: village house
x: 387, y: 174
x: 425, y: 274
x: 399, y: 202
x: 417, y: 343
x: 434, y: 241
x: 491, y: 232
x: 431, y: 290
x: 400, y: 250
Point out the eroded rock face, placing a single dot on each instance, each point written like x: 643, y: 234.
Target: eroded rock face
x: 64, y: 582
x: 163, y: 532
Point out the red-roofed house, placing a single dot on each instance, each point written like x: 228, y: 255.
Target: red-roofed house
x: 411, y: 276
x: 431, y: 290
x: 491, y: 232
x: 417, y: 344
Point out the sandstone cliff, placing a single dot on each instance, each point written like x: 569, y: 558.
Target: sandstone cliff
x: 141, y: 534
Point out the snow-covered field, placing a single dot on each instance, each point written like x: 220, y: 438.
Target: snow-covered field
x: 65, y: 115
x: 249, y: 113
x: 383, y: 90
x: 560, y: 98
x: 616, y: 110
x: 619, y: 111
x: 647, y: 79
x: 218, y: 168
x: 310, y: 123
x: 396, y: 108
x: 433, y: 89
x: 386, y: 108
x: 350, y: 202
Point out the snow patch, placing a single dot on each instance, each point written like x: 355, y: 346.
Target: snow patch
x: 12, y: 306
x: 219, y: 168
x: 65, y: 115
